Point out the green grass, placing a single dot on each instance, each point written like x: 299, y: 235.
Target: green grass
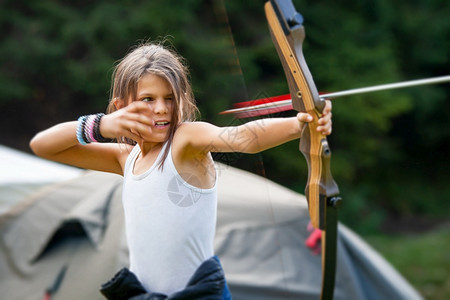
x: 422, y: 258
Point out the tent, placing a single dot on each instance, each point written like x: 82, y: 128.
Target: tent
x: 66, y: 239
x: 21, y: 174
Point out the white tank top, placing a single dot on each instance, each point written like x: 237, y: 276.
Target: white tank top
x: 170, y: 224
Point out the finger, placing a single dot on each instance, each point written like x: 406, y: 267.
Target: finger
x: 327, y: 108
x: 325, y: 119
x: 140, y: 118
x: 139, y: 108
x: 325, y: 129
x: 304, y: 117
x: 138, y: 112
x: 129, y: 135
x: 134, y: 112
x: 135, y: 137
x: 143, y: 130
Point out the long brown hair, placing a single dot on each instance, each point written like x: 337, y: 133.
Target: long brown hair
x: 154, y: 58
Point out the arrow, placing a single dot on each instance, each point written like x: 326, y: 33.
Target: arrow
x: 283, y: 103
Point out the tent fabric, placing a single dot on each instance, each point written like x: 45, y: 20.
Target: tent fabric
x: 39, y: 240
x: 371, y: 270
x: 78, y: 226
x: 21, y: 174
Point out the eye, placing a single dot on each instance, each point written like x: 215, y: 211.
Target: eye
x: 147, y: 99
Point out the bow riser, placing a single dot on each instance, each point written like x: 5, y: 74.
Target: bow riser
x: 305, y: 98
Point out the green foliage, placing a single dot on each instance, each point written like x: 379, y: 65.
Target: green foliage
x: 422, y: 258
x: 390, y: 153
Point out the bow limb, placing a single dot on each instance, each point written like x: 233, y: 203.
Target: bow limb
x: 287, y: 31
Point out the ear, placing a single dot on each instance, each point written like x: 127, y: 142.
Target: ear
x: 119, y: 103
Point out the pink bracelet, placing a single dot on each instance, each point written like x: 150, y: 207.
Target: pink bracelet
x: 88, y: 130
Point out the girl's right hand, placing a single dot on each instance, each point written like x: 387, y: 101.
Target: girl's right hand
x: 132, y: 121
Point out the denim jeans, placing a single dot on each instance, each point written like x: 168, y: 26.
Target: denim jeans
x: 208, y: 282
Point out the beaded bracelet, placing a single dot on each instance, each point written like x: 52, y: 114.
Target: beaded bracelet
x: 88, y: 130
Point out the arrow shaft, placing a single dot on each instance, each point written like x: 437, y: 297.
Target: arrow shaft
x: 390, y: 86
x: 287, y: 104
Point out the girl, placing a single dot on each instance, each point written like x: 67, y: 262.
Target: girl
x: 169, y: 193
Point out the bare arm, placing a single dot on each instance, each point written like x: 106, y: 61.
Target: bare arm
x: 251, y: 137
x: 59, y: 143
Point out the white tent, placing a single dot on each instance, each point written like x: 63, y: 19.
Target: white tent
x: 21, y: 174
x: 68, y: 238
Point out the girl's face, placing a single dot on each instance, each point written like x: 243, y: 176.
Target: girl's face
x: 157, y: 93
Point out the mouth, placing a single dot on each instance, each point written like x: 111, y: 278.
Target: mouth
x: 161, y: 123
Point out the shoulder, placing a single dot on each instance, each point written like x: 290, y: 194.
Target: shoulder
x: 191, y: 147
x: 194, y: 137
x: 195, y: 127
x: 196, y: 133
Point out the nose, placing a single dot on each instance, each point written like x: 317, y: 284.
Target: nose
x: 161, y: 107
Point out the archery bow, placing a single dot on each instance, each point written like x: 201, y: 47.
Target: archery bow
x: 287, y: 32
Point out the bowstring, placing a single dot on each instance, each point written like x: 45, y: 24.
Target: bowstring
x: 222, y: 16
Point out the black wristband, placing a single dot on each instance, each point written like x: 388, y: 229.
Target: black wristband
x: 96, y: 132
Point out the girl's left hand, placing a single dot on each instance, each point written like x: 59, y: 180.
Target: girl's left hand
x: 325, y: 122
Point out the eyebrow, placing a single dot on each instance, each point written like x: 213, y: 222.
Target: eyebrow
x: 145, y: 94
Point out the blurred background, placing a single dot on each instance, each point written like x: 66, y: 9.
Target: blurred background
x: 390, y: 149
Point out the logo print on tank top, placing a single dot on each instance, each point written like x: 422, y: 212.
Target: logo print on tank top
x: 179, y: 194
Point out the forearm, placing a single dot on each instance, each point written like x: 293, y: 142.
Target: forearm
x: 60, y: 143
x: 55, y: 140
x: 257, y: 136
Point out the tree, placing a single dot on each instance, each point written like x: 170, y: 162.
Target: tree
x: 56, y: 60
